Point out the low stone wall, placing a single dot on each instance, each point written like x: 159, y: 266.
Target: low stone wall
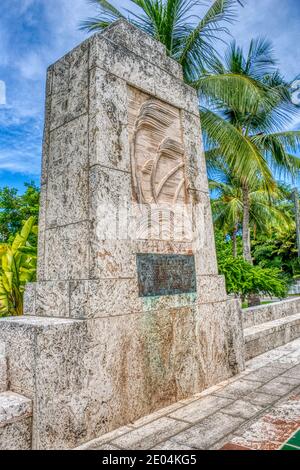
x: 263, y: 313
x: 88, y: 377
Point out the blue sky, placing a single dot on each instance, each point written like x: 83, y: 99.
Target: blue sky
x: 35, y: 33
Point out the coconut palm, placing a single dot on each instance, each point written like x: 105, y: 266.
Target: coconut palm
x: 267, y: 210
x: 249, y: 135
x: 188, y: 38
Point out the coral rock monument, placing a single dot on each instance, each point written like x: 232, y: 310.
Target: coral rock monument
x: 128, y: 314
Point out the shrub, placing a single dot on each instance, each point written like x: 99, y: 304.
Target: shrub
x: 17, y: 267
x: 244, y: 279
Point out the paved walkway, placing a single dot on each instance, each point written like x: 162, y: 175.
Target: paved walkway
x: 258, y: 409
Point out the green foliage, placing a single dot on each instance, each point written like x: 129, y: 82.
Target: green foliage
x: 277, y: 250
x: 249, y: 110
x: 18, y: 266
x: 243, y: 279
x: 15, y: 209
x: 188, y: 38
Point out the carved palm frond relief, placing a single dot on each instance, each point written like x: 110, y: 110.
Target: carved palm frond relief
x: 157, y: 154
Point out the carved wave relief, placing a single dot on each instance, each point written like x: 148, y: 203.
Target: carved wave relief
x: 157, y: 164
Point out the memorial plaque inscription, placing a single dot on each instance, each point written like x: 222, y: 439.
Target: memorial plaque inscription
x: 166, y: 274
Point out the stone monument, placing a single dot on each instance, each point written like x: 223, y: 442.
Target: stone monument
x: 128, y: 313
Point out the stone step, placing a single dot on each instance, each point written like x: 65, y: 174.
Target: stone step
x: 15, y: 421
x: 266, y: 336
x: 3, y: 370
x: 265, y: 313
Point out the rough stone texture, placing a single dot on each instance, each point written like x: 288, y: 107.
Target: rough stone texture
x: 108, y: 130
x: 274, y: 311
x: 15, y: 422
x: 13, y: 406
x: 195, y: 167
x: 3, y: 372
x: 67, y: 184
x: 83, y: 375
x: 16, y: 435
x: 91, y: 353
x: 259, y: 420
x: 267, y: 336
x: 143, y: 45
x: 67, y: 243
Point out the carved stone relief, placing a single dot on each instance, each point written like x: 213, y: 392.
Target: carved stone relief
x: 157, y: 164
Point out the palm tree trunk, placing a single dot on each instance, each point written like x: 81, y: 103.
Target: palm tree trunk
x: 234, y: 241
x: 253, y: 299
x: 246, y: 224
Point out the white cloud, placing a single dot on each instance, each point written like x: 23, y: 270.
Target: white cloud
x: 55, y: 30
x: 21, y: 160
x: 32, y: 66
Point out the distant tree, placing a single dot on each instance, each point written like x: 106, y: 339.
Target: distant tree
x: 15, y: 208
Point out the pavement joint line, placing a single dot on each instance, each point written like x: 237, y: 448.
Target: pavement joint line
x: 252, y: 420
x: 233, y: 400
x: 242, y: 427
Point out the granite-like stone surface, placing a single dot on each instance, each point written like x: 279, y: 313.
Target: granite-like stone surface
x: 276, y: 310
x: 41, y: 267
x: 67, y: 252
x: 265, y: 337
x: 126, y: 35
x: 83, y: 376
x: 210, y: 427
x: 108, y: 128
x: 3, y: 372
x: 141, y: 73
x: 211, y: 289
x: 29, y: 298
x: 195, y: 163
x: 16, y: 435
x: 15, y: 422
x: 204, y: 239
x: 67, y: 187
x: 69, y: 97
x: 52, y: 299
x: 13, y: 406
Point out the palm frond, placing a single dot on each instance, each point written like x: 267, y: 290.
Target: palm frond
x: 203, y: 36
x: 242, y: 155
x: 238, y: 92
x: 107, y: 15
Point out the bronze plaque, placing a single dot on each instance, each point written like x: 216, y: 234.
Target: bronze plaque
x: 166, y: 274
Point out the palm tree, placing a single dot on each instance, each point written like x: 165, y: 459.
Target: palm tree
x: 246, y: 131
x: 267, y: 211
x: 247, y: 103
x: 188, y: 38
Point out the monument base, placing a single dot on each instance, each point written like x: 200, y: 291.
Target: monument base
x: 89, y: 377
